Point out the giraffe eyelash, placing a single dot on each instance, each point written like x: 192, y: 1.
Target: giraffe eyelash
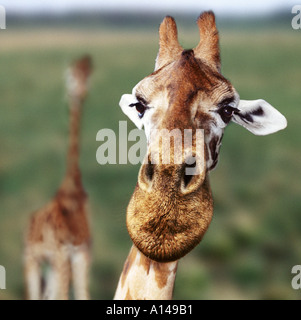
x: 141, y: 108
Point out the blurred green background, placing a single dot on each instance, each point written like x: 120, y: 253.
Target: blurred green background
x: 254, y: 239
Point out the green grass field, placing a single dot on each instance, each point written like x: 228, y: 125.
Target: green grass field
x: 255, y: 236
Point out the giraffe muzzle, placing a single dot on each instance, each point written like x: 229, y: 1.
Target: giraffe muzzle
x: 170, y: 209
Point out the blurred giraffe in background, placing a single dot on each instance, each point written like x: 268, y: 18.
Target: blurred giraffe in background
x: 59, y: 233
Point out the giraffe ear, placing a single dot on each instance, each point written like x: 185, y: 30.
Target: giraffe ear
x: 168, y: 40
x: 259, y: 117
x: 125, y: 104
x: 208, y: 47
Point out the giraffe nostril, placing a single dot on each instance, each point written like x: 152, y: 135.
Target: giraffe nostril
x: 149, y: 171
x: 189, y: 170
x: 193, y: 175
x: 146, y: 176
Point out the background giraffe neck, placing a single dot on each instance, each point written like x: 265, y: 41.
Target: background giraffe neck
x: 72, y: 167
x: 145, y: 279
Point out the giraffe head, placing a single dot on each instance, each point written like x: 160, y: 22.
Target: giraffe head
x: 171, y: 207
x: 77, y: 78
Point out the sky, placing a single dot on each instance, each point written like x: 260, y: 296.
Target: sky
x: 234, y: 7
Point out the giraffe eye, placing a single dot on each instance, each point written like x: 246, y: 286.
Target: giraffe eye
x: 140, y: 107
x: 228, y: 111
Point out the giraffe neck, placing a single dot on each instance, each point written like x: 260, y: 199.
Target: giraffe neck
x: 73, y: 175
x: 145, y: 279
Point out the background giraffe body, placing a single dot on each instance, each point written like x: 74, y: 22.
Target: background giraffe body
x: 59, y: 233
